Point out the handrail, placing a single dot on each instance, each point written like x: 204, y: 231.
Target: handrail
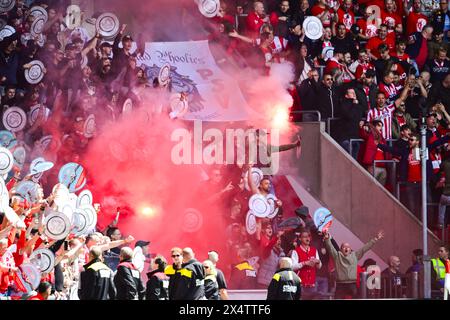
x: 394, y: 172
x: 351, y: 145
x: 328, y: 128
x: 317, y: 112
x: 391, y: 141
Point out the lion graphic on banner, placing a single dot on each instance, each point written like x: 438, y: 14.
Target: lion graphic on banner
x: 179, y: 83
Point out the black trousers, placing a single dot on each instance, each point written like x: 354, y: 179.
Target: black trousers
x: 346, y: 290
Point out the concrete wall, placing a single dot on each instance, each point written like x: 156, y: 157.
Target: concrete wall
x: 356, y: 199
x: 309, y: 162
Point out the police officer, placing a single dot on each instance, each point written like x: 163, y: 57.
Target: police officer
x: 191, y: 282
x: 438, y: 268
x: 158, y: 281
x: 96, y: 281
x: 171, y: 270
x: 243, y: 274
x: 128, y: 278
x: 285, y: 284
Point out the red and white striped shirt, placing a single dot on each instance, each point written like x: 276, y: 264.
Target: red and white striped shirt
x: 385, y: 116
x: 390, y: 91
x: 279, y: 45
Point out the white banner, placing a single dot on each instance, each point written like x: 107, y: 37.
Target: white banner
x: 213, y: 95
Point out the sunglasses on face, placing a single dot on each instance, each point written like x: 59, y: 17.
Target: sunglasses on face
x: 176, y: 255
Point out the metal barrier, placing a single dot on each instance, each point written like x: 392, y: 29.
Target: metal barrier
x: 236, y: 17
x: 316, y: 112
x: 390, y: 142
x: 394, y: 164
x: 328, y: 128
x: 444, y: 235
x: 390, y: 287
x: 320, y: 69
x: 352, y: 141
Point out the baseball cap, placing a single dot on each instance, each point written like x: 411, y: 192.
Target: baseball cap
x: 70, y: 46
x: 142, y: 243
x: 106, y: 45
x: 127, y: 38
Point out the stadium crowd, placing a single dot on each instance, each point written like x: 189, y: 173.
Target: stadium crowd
x: 387, y: 73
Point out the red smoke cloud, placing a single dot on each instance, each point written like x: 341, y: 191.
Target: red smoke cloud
x: 129, y: 162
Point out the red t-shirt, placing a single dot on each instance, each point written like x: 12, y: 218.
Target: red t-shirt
x: 414, y: 169
x: 423, y: 54
x: 402, y: 74
x: 401, y: 120
x: 401, y: 57
x: 380, y: 156
x: 347, y: 18
x: 415, y: 22
x: 374, y: 42
x: 254, y: 23
x: 317, y: 10
x: 37, y: 297
x: 390, y: 18
x: 369, y: 30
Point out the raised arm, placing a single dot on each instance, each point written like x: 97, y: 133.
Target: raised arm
x: 91, y: 45
x: 250, y: 182
x: 423, y: 90
x: 441, y: 108
x: 286, y: 147
x: 236, y: 35
x: 117, y: 243
x: 118, y: 38
x: 329, y: 245
x: 405, y: 7
x: 360, y: 253
x: 403, y: 96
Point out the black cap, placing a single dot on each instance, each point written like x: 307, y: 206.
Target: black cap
x: 303, y: 211
x: 142, y: 243
x: 8, y: 40
x: 70, y: 46
x: 106, y: 45
x: 127, y: 38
